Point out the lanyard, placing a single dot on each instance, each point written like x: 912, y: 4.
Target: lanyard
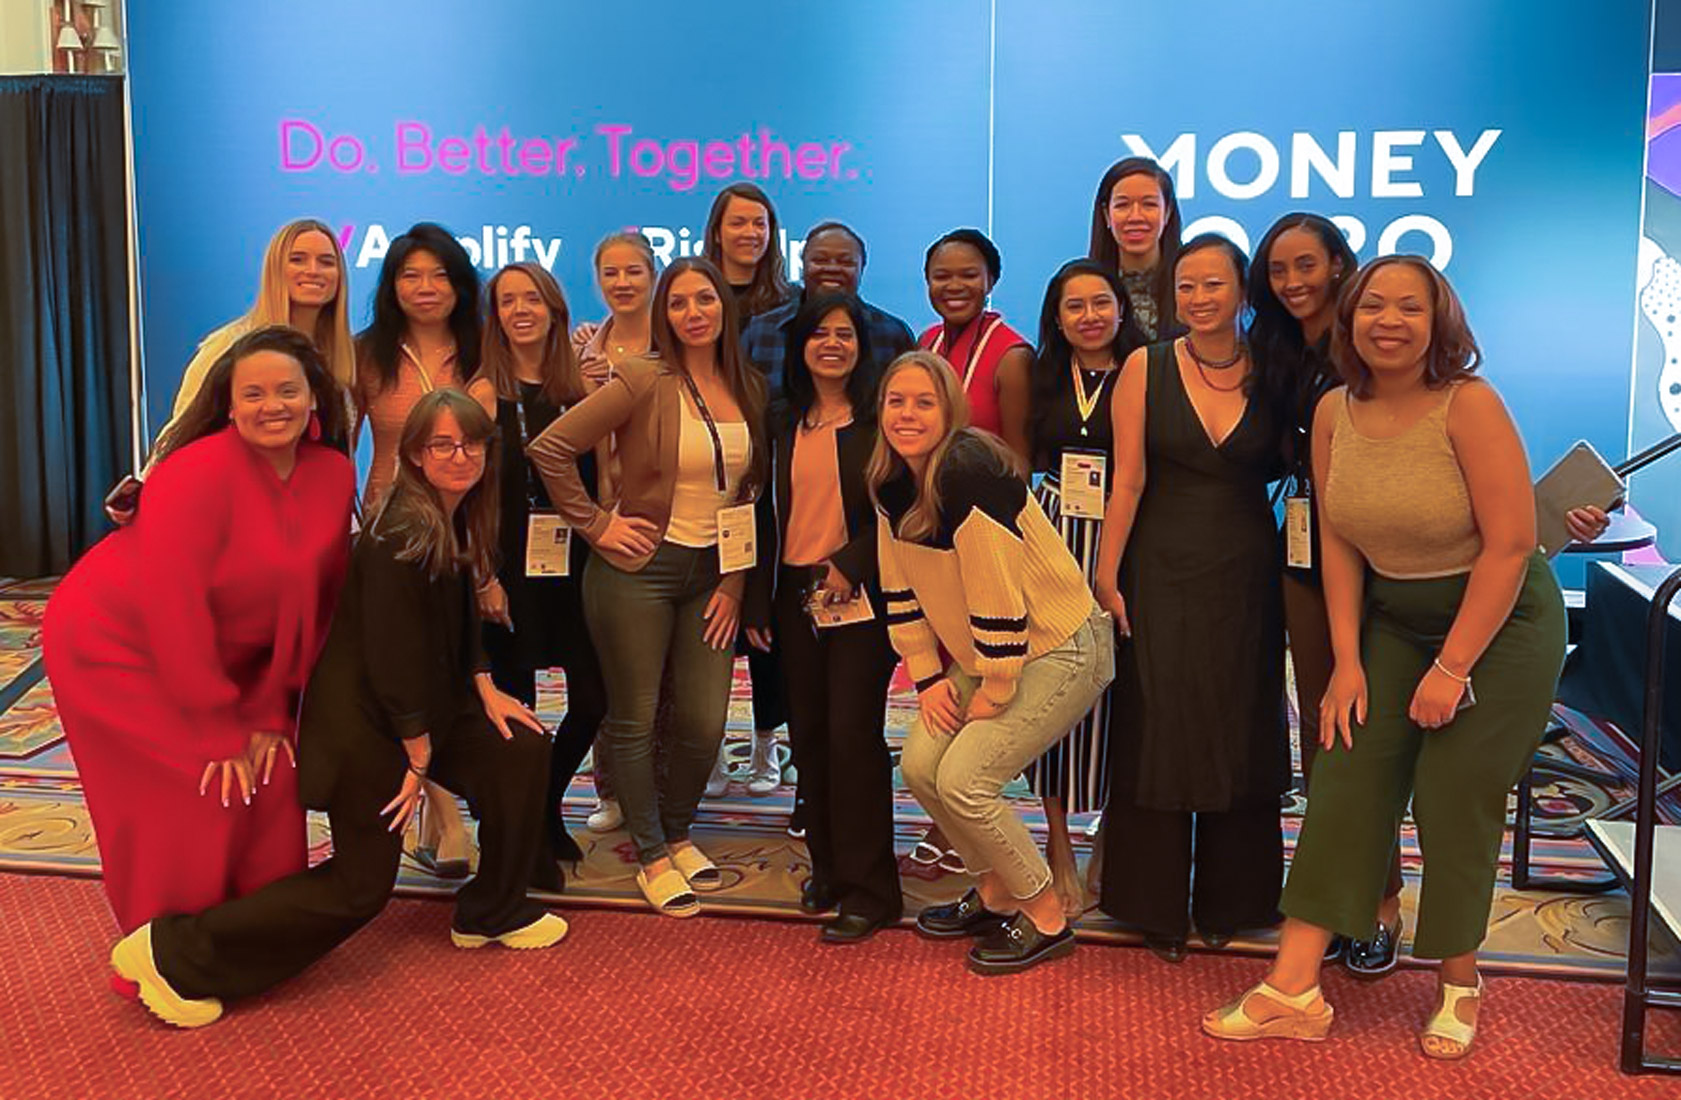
x: 1086, y: 403
x: 976, y: 350
x: 531, y: 482
x: 722, y: 479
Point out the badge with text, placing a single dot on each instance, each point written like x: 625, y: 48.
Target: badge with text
x: 737, y: 549
x: 1298, y: 532
x: 840, y: 613
x: 1082, y: 478
x: 548, y: 546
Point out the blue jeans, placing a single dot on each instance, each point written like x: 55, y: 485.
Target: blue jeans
x: 960, y: 780
x: 639, y: 621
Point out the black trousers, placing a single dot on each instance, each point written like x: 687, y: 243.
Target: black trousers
x: 586, y: 707
x: 837, y: 710
x: 770, y: 695
x: 250, y: 944
x: 1228, y: 867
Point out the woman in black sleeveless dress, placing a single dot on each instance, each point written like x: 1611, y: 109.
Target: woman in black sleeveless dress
x: 1197, y: 738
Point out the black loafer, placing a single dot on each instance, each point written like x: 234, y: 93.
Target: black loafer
x: 1216, y: 940
x: 1169, y: 949
x: 850, y: 928
x: 1375, y: 957
x: 964, y: 917
x: 1018, y: 946
x: 815, y: 899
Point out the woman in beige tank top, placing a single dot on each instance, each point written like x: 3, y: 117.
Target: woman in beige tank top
x: 1432, y: 579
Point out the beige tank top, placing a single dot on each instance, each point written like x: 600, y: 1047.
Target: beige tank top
x: 1402, y: 502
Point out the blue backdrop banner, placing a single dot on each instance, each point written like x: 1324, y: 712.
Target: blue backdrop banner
x: 1504, y: 139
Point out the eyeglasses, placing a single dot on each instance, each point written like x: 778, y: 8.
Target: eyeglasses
x: 445, y: 449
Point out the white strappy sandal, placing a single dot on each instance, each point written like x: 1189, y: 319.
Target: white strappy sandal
x: 1309, y: 1017
x: 1445, y: 1036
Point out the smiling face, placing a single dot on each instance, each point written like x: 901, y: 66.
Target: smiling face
x: 744, y: 234
x: 269, y: 400
x: 1301, y: 273
x: 424, y: 291
x: 1089, y: 313
x: 1137, y: 214
x: 625, y: 279
x: 912, y: 419
x: 312, y: 270
x: 1392, y: 320
x: 833, y: 262
x: 451, y: 463
x: 958, y: 282
x: 695, y: 309
x: 521, y: 311
x: 1206, y: 291
x: 831, y: 352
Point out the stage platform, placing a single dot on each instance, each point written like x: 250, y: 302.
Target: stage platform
x: 44, y: 828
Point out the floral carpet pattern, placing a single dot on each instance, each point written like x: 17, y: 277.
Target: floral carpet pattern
x: 44, y: 827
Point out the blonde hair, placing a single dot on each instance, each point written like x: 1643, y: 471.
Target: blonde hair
x: 922, y: 519
x: 274, y: 302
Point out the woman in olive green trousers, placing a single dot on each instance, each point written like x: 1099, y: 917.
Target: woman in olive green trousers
x: 1432, y: 581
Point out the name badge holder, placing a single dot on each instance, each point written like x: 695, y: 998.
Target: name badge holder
x: 548, y: 538
x: 1298, y: 531
x: 1081, y: 481
x: 843, y: 613
x: 737, y: 526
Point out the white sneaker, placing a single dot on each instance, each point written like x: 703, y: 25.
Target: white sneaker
x: 765, y: 772
x: 719, y: 781
x: 605, y: 817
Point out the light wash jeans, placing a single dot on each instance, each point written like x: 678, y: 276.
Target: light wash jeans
x: 959, y: 780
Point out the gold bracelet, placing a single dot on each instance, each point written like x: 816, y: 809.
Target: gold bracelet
x: 1445, y: 671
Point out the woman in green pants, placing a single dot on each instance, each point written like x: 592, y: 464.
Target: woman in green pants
x: 1447, y: 630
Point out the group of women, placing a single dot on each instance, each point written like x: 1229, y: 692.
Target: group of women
x: 1071, y: 546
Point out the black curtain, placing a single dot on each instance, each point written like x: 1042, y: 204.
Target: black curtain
x: 65, y: 428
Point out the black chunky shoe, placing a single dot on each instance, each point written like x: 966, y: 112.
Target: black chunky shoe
x: 966, y: 916
x: 1019, y: 945
x: 1375, y: 957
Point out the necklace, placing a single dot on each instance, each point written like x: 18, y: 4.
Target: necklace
x: 1238, y: 352
x: 1203, y: 368
x: 811, y: 422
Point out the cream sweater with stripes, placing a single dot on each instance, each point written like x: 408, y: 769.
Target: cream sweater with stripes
x: 995, y: 584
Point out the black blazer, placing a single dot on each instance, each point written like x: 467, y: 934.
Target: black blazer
x: 857, y: 559
x: 398, y: 662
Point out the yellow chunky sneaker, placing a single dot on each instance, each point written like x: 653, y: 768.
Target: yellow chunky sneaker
x: 132, y: 960
x: 546, y: 931
x: 1274, y: 1015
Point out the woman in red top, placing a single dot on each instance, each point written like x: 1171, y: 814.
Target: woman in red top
x: 179, y: 645
x: 962, y: 267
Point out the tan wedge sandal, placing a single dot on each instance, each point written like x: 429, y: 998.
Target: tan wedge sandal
x: 1304, y: 1016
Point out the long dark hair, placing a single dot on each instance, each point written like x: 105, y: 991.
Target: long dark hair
x: 745, y: 382
x: 209, y: 410
x: 379, y: 342
x: 769, y: 286
x: 413, y: 514
x: 1275, y: 336
x: 563, y: 383
x: 799, y: 390
x: 1049, y: 378
x: 1106, y: 251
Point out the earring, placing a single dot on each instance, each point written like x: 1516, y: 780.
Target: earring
x: 314, y: 429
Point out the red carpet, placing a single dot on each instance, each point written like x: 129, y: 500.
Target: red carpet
x: 636, y: 1006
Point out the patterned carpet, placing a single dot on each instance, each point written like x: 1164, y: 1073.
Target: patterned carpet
x: 637, y: 1007
x: 44, y: 828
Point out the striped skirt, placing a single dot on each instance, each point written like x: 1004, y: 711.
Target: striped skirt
x: 1075, y: 769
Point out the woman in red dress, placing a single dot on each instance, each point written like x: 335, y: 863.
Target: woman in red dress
x: 962, y: 267
x: 178, y: 646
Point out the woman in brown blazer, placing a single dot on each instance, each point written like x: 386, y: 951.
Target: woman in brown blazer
x: 663, y: 582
